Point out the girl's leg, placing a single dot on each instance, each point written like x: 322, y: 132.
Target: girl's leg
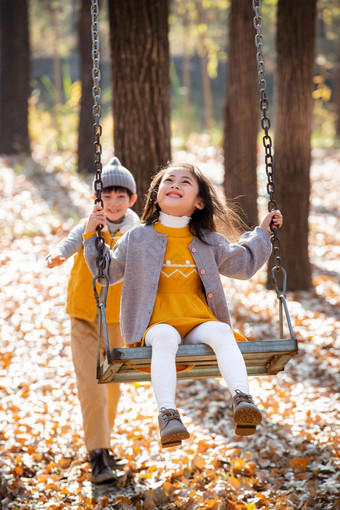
x: 220, y: 337
x: 164, y: 340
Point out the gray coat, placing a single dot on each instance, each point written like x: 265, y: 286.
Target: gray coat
x: 138, y: 256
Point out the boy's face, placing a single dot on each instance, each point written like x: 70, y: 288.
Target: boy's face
x: 116, y: 204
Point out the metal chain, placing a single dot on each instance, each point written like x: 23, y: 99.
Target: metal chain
x: 267, y: 140
x: 97, y: 129
x: 98, y: 187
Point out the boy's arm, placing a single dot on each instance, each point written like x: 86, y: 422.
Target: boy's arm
x: 244, y: 259
x: 67, y: 247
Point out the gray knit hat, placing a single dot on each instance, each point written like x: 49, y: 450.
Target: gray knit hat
x: 114, y: 174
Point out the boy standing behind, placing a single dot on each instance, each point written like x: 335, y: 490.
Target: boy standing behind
x: 98, y: 401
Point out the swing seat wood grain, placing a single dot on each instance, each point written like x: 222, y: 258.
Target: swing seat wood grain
x: 262, y: 357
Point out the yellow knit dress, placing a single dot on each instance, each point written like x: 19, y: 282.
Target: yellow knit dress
x: 180, y: 300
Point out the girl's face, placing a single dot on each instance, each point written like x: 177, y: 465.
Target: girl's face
x: 178, y: 193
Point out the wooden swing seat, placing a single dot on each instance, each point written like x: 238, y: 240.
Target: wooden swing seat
x: 262, y: 357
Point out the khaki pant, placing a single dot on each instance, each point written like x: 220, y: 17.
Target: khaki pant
x: 98, y: 401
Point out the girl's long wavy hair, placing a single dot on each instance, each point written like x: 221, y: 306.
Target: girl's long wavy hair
x: 214, y: 216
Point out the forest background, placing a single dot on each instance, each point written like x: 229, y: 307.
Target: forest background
x: 179, y: 69
x: 56, y: 74
x: 293, y: 461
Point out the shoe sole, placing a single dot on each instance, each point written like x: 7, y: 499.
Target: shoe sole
x: 174, y: 439
x: 104, y: 479
x: 246, y: 420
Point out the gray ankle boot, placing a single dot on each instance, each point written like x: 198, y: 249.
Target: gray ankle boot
x: 246, y: 414
x: 172, y: 430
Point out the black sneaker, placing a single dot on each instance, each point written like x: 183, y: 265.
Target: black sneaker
x: 101, y: 470
x: 114, y: 462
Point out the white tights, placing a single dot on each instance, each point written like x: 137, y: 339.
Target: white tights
x: 165, y: 340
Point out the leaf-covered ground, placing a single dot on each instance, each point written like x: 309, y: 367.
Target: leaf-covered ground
x: 293, y: 460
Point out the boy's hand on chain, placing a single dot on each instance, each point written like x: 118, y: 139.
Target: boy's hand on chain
x: 96, y: 218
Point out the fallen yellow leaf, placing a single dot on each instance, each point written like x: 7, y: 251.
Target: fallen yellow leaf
x: 199, y: 462
x: 234, y: 481
x: 299, y: 462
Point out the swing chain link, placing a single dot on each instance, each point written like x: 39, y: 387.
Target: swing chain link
x: 97, y: 129
x: 267, y: 140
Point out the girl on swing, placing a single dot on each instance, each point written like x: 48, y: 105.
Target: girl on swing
x: 172, y: 291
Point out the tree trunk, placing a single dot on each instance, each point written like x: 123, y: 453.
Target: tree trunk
x: 186, y: 78
x: 337, y: 95
x: 14, y: 77
x: 85, y: 129
x: 208, y: 102
x: 140, y: 87
x: 207, y: 94
x: 241, y: 113
x: 295, y: 65
x: 57, y: 72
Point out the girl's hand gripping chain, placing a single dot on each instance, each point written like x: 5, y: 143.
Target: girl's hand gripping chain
x: 275, y: 217
x: 96, y: 218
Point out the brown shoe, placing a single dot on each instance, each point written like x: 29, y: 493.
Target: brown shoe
x: 246, y: 414
x: 172, y: 430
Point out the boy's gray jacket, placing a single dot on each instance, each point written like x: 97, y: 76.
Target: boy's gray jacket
x: 137, y: 259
